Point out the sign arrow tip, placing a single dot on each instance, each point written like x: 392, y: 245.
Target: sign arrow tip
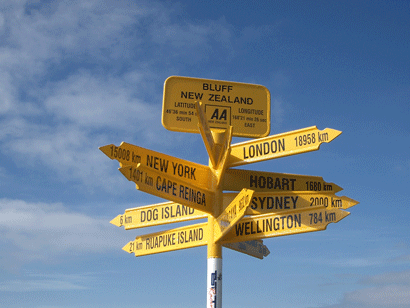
x: 350, y: 202
x: 127, y: 247
x: 106, y: 149
x: 116, y: 221
x: 125, y: 172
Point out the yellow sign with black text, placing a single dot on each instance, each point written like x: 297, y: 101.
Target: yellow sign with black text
x: 236, y: 179
x: 281, y: 145
x: 156, y: 214
x: 131, y: 155
x: 271, y: 225
x: 170, y: 240
x: 245, y: 107
x: 232, y: 213
x: 169, y: 187
x: 285, y: 202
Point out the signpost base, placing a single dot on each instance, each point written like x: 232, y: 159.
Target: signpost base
x: 214, y: 283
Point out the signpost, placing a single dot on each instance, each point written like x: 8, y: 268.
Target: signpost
x: 268, y: 204
x: 271, y: 225
x: 174, y: 239
x: 232, y: 214
x: 169, y: 187
x: 132, y: 155
x: 246, y: 107
x: 156, y: 214
x: 263, y: 203
x: 253, y: 248
x: 236, y: 179
x: 281, y: 145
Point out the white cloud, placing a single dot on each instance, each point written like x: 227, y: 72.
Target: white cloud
x: 386, y: 296
x: 390, y: 289
x: 91, y: 101
x: 39, y: 285
x: 76, y: 73
x: 39, y: 231
x: 402, y: 278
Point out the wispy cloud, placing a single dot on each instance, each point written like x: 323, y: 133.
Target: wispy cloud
x: 39, y: 285
x: 67, y: 83
x: 39, y: 231
x: 391, y: 289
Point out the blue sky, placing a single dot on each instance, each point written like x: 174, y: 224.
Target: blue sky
x: 77, y: 75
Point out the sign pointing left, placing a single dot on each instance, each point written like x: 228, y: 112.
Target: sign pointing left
x: 156, y: 214
x: 174, y: 239
x: 169, y: 187
x: 131, y: 155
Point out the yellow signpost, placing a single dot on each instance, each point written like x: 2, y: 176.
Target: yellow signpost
x: 246, y: 107
x: 236, y: 179
x: 267, y: 205
x: 232, y: 213
x: 281, y: 145
x: 267, y: 202
x: 170, y: 240
x: 156, y: 214
x: 132, y: 155
x: 271, y: 225
x: 169, y: 187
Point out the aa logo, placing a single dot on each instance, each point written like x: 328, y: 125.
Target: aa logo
x: 218, y: 116
x: 221, y: 116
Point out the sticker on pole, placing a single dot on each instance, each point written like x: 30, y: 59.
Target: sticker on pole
x: 244, y: 106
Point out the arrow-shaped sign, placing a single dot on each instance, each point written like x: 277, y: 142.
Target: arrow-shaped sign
x: 254, y: 248
x: 170, y: 240
x: 187, y: 237
x: 286, y: 202
x: 156, y: 214
x: 131, y: 155
x: 232, y: 213
x: 271, y: 225
x: 285, y: 144
x: 169, y: 187
x: 236, y: 179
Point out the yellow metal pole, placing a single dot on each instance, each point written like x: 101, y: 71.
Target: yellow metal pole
x: 214, y: 261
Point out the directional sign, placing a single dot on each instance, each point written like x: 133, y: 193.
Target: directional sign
x: 286, y: 202
x: 271, y: 225
x: 263, y: 203
x: 246, y: 107
x: 156, y: 214
x: 175, y: 239
x: 232, y: 213
x: 253, y: 248
x: 285, y: 144
x: 236, y: 179
x: 169, y: 187
x: 131, y: 155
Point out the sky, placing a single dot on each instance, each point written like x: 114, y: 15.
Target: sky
x: 78, y: 75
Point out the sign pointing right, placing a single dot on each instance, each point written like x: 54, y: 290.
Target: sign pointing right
x: 281, y: 145
x: 236, y: 179
x: 271, y: 225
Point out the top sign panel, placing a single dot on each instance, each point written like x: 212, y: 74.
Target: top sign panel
x: 246, y: 107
